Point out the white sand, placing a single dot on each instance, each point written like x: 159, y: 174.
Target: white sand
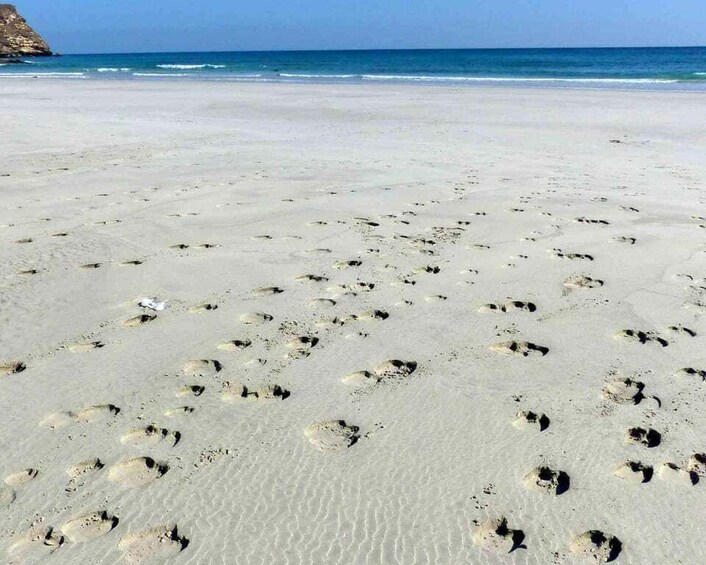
x: 395, y: 178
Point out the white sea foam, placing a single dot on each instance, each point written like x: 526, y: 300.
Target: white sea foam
x: 420, y: 78
x: 234, y: 77
x: 161, y: 75
x: 113, y: 69
x: 191, y: 67
x: 426, y: 78
x: 293, y: 75
x: 42, y: 75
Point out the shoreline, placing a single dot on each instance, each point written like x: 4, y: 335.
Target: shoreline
x: 491, y: 87
x: 540, y: 84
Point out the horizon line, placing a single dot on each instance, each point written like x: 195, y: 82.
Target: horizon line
x: 366, y: 49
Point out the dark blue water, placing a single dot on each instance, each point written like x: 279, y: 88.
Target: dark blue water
x: 658, y: 68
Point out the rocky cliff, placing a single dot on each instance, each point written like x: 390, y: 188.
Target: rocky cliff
x: 16, y: 37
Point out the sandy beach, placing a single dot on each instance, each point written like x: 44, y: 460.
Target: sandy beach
x: 385, y: 324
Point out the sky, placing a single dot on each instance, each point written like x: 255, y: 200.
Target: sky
x: 134, y: 26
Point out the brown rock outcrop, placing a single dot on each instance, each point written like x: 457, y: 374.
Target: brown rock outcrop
x: 17, y: 38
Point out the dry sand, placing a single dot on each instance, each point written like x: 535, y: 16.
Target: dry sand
x: 404, y: 325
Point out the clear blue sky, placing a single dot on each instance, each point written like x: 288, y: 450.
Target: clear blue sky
x: 110, y: 26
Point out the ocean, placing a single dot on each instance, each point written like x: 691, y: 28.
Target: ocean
x: 671, y: 68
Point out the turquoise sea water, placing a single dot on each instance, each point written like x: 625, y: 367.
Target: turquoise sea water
x: 680, y: 68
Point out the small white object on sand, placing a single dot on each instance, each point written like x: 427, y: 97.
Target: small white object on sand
x: 152, y: 304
